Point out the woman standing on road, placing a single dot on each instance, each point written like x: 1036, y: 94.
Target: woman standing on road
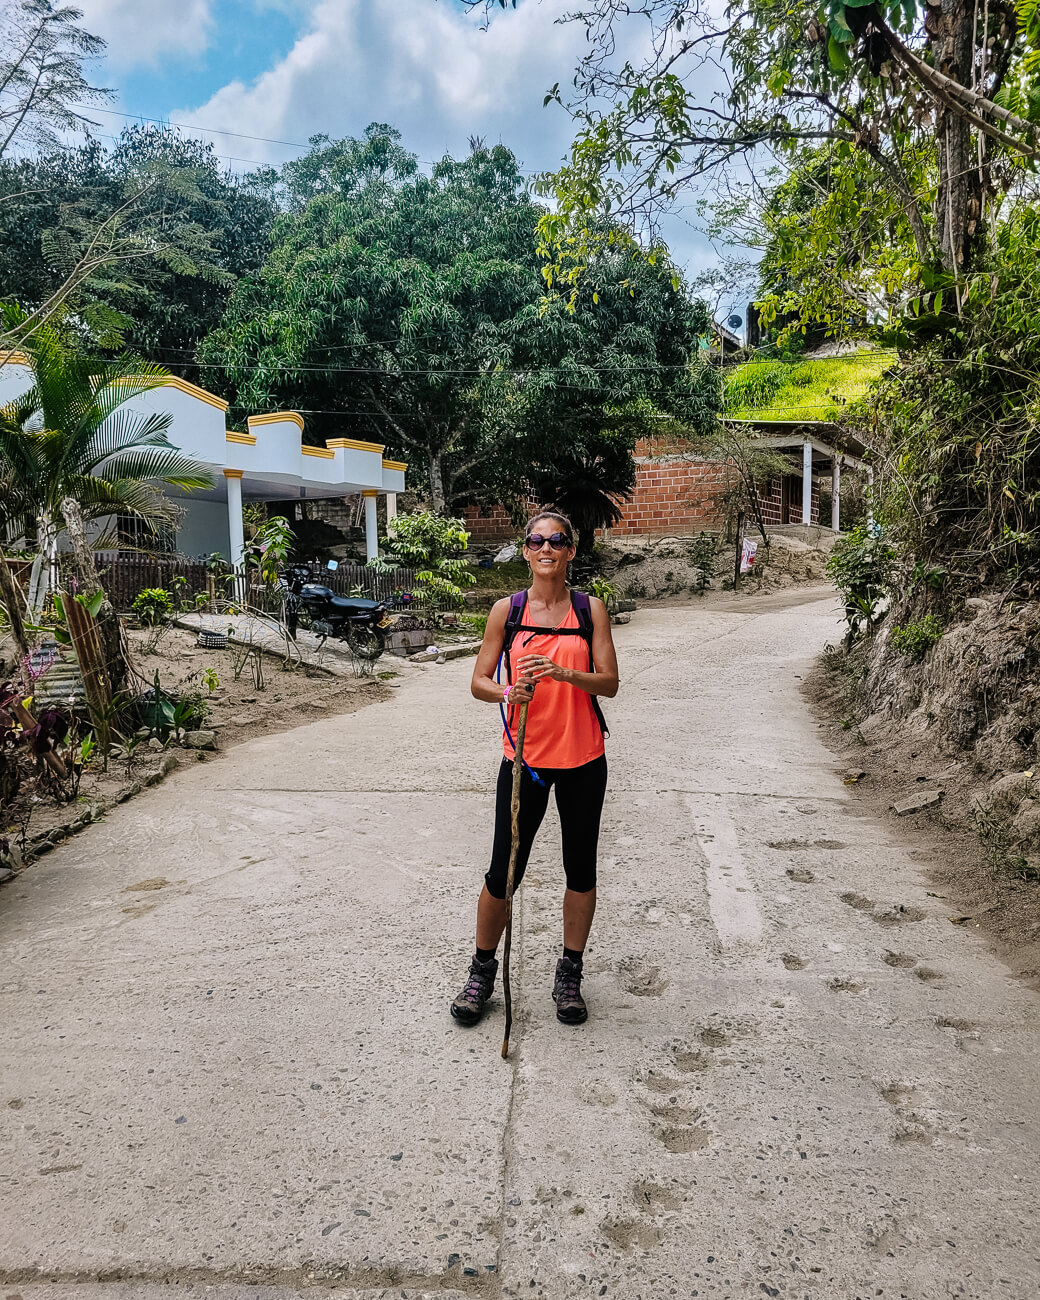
x: 559, y: 656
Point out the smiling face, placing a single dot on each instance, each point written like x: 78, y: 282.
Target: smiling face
x: 545, y: 560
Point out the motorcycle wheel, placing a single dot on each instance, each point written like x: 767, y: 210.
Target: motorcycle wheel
x: 366, y: 642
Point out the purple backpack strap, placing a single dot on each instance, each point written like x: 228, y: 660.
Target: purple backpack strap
x: 583, y: 610
x: 514, y: 619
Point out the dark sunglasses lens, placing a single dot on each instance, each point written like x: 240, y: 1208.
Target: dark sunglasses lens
x: 558, y: 541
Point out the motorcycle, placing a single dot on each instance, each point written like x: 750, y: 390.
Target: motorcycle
x: 359, y: 622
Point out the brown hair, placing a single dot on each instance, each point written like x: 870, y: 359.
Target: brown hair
x: 561, y: 519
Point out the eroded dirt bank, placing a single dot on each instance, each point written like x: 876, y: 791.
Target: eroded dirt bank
x: 955, y: 731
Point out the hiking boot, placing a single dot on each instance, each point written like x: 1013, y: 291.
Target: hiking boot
x: 570, y: 1005
x: 468, y: 1007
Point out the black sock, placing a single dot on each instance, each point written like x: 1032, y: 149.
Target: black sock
x: 573, y: 955
x: 485, y: 954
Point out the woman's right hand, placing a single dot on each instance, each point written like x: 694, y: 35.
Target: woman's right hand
x: 522, y: 692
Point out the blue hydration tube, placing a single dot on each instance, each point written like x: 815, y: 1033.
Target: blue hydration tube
x: 501, y: 708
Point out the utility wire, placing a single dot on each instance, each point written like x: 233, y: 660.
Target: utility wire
x: 239, y: 135
x: 527, y: 371
x: 183, y: 126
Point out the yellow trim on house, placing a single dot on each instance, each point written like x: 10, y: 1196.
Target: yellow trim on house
x: 354, y: 444
x: 277, y: 417
x: 193, y: 390
x: 402, y: 465
x: 14, y: 359
x: 234, y: 473
x: 369, y: 492
x: 247, y: 439
x: 319, y: 451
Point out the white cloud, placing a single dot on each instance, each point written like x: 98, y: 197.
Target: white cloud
x: 141, y: 32
x: 425, y: 67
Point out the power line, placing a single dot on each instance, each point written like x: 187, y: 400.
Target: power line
x: 529, y: 371
x: 217, y: 130
x: 209, y: 130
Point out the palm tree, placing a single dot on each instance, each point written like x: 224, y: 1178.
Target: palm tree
x: 71, y: 435
x: 588, y: 486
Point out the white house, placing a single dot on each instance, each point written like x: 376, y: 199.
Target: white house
x: 269, y: 463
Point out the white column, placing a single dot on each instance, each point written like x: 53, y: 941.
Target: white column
x: 391, y: 508
x: 836, y: 493
x: 236, y: 533
x: 371, y: 533
x: 806, y: 482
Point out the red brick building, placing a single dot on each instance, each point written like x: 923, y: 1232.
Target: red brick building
x: 678, y: 493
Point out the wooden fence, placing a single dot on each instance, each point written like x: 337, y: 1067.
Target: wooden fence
x: 375, y: 586
x: 124, y: 576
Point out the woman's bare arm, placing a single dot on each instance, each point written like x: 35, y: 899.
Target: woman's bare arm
x: 483, y: 685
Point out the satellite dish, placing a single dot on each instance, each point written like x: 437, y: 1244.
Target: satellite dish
x: 735, y: 321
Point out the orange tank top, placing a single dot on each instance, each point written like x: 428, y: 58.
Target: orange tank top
x: 562, y: 727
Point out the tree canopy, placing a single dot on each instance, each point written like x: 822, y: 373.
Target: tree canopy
x: 409, y: 307
x: 924, y: 117
x: 43, y: 92
x: 142, y: 243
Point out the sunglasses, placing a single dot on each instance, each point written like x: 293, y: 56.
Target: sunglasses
x: 558, y: 541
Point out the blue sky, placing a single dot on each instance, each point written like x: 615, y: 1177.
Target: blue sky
x: 285, y: 71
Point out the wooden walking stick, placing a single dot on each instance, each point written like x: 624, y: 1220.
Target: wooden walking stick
x: 514, y: 849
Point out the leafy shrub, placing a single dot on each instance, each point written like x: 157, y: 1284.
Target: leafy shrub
x: 915, y: 639
x: 270, y: 547
x: 861, y: 567
x: 431, y: 544
x: 606, y: 592
x: 153, y: 606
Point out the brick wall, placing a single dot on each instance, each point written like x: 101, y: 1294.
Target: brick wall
x: 340, y: 512
x: 492, y: 525
x: 675, y: 493
x: 772, y: 502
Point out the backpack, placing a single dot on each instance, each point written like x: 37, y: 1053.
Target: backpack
x: 583, y: 610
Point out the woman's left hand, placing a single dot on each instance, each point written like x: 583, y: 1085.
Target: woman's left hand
x: 538, y: 666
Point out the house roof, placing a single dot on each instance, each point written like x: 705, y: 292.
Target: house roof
x: 809, y: 391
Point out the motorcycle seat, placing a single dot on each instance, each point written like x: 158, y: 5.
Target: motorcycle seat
x: 346, y: 605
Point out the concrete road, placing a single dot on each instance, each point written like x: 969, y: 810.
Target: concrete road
x: 798, y: 1079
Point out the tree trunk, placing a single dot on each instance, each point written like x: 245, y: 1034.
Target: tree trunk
x: 959, y: 196
x: 107, y: 619
x: 438, y: 501
x: 42, y: 577
x: 12, y: 599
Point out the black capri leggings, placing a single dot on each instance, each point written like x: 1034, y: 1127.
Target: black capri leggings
x: 579, y: 800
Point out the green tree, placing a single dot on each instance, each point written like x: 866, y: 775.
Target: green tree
x: 412, y: 306
x: 42, y: 87
x: 386, y: 301
x: 140, y: 245
x: 71, y: 435
x: 935, y: 105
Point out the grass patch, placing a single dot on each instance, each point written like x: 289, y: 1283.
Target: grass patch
x: 801, y: 390
x: 997, y: 836
x: 502, y: 577
x: 475, y: 623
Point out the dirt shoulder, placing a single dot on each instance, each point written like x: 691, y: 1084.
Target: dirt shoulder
x: 889, y: 768
x: 235, y: 708
x: 242, y: 708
